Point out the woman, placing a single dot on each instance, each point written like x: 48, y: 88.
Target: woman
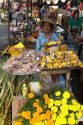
x: 47, y: 34
x: 75, y: 21
x: 75, y: 27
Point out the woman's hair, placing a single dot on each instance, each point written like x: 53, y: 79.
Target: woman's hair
x: 52, y: 26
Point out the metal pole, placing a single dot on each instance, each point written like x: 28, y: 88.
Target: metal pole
x: 31, y: 18
x: 8, y: 23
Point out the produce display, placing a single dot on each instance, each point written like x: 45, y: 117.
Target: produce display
x: 61, y: 58
x: 32, y: 61
x: 26, y: 63
x: 51, y: 46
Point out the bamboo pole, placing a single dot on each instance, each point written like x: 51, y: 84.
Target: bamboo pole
x: 6, y: 112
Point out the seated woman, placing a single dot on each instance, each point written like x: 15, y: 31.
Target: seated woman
x: 46, y: 35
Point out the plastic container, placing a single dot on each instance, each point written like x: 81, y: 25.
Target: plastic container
x: 24, y: 90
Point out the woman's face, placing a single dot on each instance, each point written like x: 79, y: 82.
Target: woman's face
x: 47, y: 27
x: 76, y: 15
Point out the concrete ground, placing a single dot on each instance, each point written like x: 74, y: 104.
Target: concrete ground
x: 3, y: 35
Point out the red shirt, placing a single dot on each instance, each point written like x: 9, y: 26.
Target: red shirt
x: 68, y: 6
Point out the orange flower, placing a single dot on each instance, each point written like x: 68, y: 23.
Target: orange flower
x: 35, y: 104
x: 51, y: 112
x: 48, y: 114
x: 42, y: 117
x: 36, y: 114
x: 26, y: 114
x: 18, y: 122
x: 46, y: 100
x: 45, y: 96
x: 31, y: 95
x: 50, y: 122
x: 39, y: 109
x: 34, y: 120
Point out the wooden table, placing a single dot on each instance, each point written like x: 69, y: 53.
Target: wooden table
x: 66, y: 71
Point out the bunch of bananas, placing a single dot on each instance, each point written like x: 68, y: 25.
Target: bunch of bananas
x: 50, y: 43
x: 60, y: 59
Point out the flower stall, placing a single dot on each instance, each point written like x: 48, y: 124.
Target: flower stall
x: 55, y: 108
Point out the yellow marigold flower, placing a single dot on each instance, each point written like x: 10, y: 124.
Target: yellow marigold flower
x: 66, y: 95
x: 65, y: 112
x: 79, y: 114
x: 54, y: 117
x: 81, y: 107
x: 70, y: 107
x: 73, y: 101
x: 30, y: 95
x: 58, y: 93
x: 58, y: 121
x: 57, y: 102
x: 54, y: 108
x: 71, y: 120
x: 75, y: 108
x: 26, y: 114
x: 18, y: 122
x: 35, y: 104
x: 64, y: 101
x: 71, y: 114
x: 51, y: 102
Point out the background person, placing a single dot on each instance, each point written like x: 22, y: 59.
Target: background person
x: 75, y: 21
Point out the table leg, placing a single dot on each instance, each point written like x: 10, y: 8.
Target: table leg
x: 67, y: 80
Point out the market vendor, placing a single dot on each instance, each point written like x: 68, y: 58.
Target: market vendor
x: 46, y: 35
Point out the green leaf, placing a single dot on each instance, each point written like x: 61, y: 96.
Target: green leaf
x: 42, y: 103
x: 25, y: 122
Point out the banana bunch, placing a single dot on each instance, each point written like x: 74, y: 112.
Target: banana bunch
x: 50, y: 43
x: 60, y: 59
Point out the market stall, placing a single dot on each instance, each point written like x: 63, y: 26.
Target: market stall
x: 27, y: 65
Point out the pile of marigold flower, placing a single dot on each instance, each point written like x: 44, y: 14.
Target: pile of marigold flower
x: 57, y: 108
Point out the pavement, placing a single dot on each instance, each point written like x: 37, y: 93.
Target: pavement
x: 3, y: 35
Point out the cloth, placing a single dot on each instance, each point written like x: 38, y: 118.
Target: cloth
x: 42, y: 40
x: 59, y: 19
x: 75, y: 23
x: 68, y: 7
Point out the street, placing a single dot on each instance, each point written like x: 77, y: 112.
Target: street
x: 3, y: 35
